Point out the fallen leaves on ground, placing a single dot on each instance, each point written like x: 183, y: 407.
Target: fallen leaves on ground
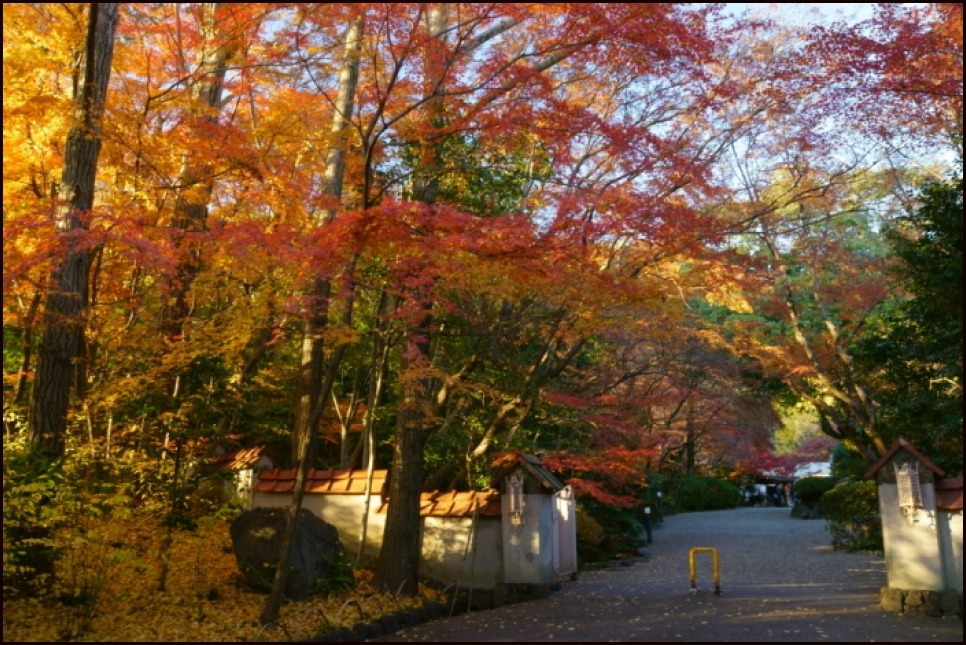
x: 204, y: 598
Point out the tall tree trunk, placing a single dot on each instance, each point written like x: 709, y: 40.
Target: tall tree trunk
x: 313, y: 346
x: 195, y: 182
x: 27, y: 347
x: 274, y: 602
x: 397, y: 568
x: 313, y: 389
x: 64, y: 309
x: 380, y: 362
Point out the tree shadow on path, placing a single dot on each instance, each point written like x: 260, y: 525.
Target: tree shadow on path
x: 779, y: 581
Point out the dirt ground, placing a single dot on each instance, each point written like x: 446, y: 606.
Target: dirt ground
x: 779, y: 582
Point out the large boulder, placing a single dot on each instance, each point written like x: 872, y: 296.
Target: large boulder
x: 318, y: 558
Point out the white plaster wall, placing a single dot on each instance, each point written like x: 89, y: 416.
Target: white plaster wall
x: 344, y: 512
x: 912, y: 551
x: 528, y: 545
x: 454, y: 550
x: 951, y: 535
x: 445, y: 556
x: 244, y: 479
x: 565, y: 533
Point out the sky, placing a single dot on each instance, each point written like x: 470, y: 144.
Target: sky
x: 801, y: 13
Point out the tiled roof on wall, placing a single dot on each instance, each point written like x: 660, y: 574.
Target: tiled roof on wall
x: 241, y: 459
x: 353, y: 482
x: 322, y: 481
x: 460, y: 504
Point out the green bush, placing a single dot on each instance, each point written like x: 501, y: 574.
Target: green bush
x: 701, y: 493
x: 811, y: 489
x: 851, y: 512
x: 589, y: 530
x: 605, y: 532
x: 34, y: 492
x: 846, y: 463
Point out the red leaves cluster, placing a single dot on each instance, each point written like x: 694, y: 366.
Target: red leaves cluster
x: 612, y: 477
x: 907, y: 60
x: 767, y: 462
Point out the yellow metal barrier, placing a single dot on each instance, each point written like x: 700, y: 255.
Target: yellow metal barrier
x: 717, y: 570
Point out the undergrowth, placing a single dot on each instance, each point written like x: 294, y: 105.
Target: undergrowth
x: 108, y: 574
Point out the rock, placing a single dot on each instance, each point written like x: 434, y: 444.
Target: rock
x: 408, y: 618
x: 891, y: 600
x: 815, y: 513
x: 361, y: 632
x: 915, y: 603
x: 932, y: 604
x: 389, y: 624
x: 340, y: 635
x: 437, y: 610
x: 951, y: 604
x: 317, y: 553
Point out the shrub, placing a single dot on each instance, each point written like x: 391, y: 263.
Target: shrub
x: 34, y: 494
x: 847, y: 463
x: 851, y: 512
x: 811, y: 489
x: 700, y: 493
x: 605, y: 532
x: 589, y: 530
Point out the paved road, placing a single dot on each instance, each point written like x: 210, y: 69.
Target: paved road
x: 780, y: 582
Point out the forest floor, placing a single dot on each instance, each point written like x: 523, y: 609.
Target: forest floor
x: 204, y: 598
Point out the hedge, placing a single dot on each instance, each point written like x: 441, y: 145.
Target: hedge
x: 701, y: 493
x: 812, y: 489
x: 851, y: 512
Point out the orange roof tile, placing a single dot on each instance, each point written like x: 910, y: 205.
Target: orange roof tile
x: 331, y: 482
x: 949, y: 494
x: 241, y: 459
x: 353, y: 482
x: 460, y: 504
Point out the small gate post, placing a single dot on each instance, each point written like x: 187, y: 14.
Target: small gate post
x: 717, y: 570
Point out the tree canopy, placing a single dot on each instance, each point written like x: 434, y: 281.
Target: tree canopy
x: 627, y: 237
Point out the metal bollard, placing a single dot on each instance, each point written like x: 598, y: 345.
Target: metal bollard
x: 717, y: 570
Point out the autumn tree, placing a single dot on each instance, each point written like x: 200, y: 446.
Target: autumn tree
x: 905, y: 60
x: 398, y: 561
x: 811, y: 223
x: 194, y: 185
x: 683, y: 401
x: 314, y: 388
x: 60, y: 346
x: 576, y: 218
x: 601, y: 232
x: 312, y: 395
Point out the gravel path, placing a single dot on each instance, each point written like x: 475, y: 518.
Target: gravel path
x: 780, y: 582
